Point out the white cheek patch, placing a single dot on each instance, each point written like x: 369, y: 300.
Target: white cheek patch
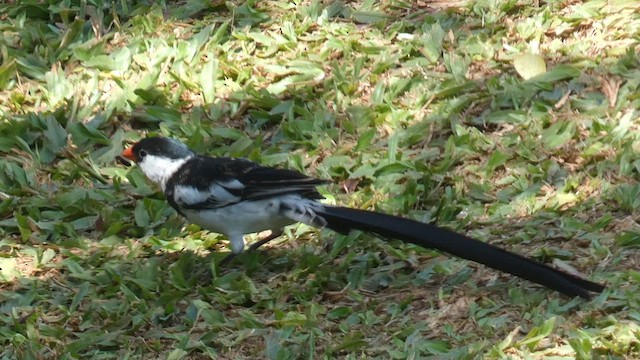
x: 159, y: 169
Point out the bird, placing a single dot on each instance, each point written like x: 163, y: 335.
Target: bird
x: 236, y: 197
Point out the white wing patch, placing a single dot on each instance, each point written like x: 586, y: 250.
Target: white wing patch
x: 217, y: 195
x: 232, y: 184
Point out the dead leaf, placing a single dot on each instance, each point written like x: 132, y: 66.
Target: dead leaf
x: 610, y: 88
x: 529, y: 65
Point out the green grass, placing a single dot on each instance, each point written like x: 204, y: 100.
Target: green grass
x: 412, y: 108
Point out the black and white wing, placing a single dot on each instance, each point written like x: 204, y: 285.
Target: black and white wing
x: 209, y: 183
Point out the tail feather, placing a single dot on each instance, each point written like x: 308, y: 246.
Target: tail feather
x: 343, y: 219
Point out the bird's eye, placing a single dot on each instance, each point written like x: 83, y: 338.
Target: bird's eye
x: 142, y: 153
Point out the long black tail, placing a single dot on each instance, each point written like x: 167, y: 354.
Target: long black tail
x: 343, y: 220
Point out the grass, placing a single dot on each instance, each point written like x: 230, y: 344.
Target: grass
x: 515, y: 122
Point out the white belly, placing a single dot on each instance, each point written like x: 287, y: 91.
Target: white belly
x: 241, y: 218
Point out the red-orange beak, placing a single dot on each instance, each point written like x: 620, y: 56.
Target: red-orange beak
x: 128, y: 154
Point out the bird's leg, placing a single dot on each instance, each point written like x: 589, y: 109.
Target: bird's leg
x: 228, y: 259
x: 274, y: 234
x: 237, y: 246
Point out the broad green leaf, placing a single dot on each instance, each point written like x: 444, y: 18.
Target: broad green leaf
x: 77, y: 269
x: 457, y: 65
x: 365, y: 139
x: 122, y: 58
x: 177, y: 354
x: 55, y: 135
x: 339, y: 312
x: 261, y: 38
x: 84, y: 223
x: 507, y: 117
x: 160, y: 113
x: 369, y: 17
x: 629, y: 238
x: 7, y: 72
x: 208, y: 81
x: 277, y: 69
x: 284, y: 107
x: 364, y: 170
x: 228, y: 133
x: 107, y: 154
x: 199, y: 40
x: 33, y: 67
x: 497, y: 158
x: 481, y: 192
x: 395, y: 167
x: 47, y: 256
x: 141, y: 215
x: 220, y: 33
x: 240, y: 146
x: 558, y: 73
x: 101, y: 62
x: 87, y: 51
x: 300, y: 73
x: 83, y: 290
x: 82, y: 134
x: 378, y: 93
x: 350, y: 343
x: 537, y: 334
x: 431, y: 42
x: 558, y: 134
x: 70, y: 35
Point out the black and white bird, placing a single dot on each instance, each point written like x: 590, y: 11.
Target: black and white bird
x: 235, y: 197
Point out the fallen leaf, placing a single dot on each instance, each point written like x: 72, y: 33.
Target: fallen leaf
x: 529, y: 65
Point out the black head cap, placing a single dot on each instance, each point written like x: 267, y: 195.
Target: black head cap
x: 158, y: 146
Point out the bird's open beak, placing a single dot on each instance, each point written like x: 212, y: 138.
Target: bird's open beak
x: 128, y: 154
